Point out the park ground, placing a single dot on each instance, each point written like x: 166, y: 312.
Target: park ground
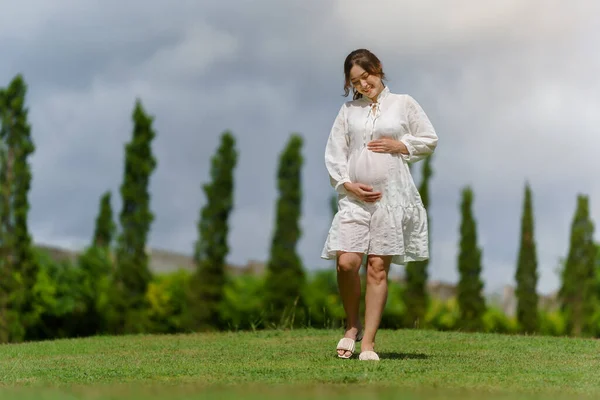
x: 415, y: 364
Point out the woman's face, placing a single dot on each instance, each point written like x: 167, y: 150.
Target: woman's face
x: 366, y: 84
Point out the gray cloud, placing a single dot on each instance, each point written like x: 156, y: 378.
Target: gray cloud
x: 510, y: 88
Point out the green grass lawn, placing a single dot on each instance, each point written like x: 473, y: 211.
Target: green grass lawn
x: 301, y: 364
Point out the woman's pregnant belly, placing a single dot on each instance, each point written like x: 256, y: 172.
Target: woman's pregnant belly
x: 370, y: 168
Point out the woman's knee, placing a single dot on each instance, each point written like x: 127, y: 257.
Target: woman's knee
x: 349, y: 262
x: 377, y: 268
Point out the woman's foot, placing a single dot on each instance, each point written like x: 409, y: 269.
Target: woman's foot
x: 367, y: 352
x: 346, y: 347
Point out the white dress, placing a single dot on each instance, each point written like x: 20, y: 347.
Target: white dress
x: 395, y: 225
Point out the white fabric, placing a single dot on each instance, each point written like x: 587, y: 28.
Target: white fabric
x: 396, y: 224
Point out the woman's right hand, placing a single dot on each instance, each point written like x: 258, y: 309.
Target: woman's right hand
x: 362, y: 192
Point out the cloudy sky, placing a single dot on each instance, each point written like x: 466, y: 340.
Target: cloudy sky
x: 512, y: 88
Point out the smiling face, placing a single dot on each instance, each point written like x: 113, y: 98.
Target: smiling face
x: 364, y: 74
x: 365, y: 83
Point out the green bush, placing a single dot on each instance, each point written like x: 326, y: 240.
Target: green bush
x: 58, y: 300
x: 552, y: 323
x: 495, y: 321
x: 166, y: 297
x: 73, y: 299
x: 322, y: 299
x: 242, y: 307
x: 442, y: 315
x: 394, y: 312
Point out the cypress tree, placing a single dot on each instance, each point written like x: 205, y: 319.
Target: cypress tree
x: 132, y: 274
x: 94, y: 273
x: 597, y: 291
x: 526, y: 274
x: 96, y: 269
x: 105, y: 226
x: 470, y: 286
x: 285, y: 275
x: 578, y: 291
x: 9, y: 317
x: 211, y: 247
x: 18, y: 268
x: 597, y: 268
x: 415, y: 295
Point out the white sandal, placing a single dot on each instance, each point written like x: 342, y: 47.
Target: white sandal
x: 348, y: 344
x: 368, y: 356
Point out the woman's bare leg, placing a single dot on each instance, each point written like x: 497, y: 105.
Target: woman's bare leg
x: 375, y: 297
x: 348, y: 265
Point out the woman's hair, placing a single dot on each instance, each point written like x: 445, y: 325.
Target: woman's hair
x: 367, y: 61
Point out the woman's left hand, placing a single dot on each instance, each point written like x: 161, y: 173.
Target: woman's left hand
x: 387, y: 145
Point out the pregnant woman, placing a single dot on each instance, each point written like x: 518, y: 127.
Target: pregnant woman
x: 380, y: 212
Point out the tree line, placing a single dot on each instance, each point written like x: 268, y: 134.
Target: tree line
x: 110, y: 288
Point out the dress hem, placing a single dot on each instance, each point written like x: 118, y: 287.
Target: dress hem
x: 398, y: 259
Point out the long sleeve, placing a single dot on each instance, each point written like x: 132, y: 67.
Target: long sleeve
x: 422, y: 139
x: 336, y: 152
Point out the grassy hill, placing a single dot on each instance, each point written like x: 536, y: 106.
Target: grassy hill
x: 301, y: 364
